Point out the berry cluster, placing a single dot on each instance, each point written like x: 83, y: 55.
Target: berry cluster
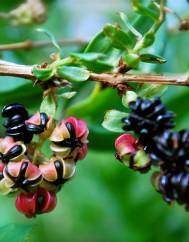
x: 25, y: 171
x: 156, y: 144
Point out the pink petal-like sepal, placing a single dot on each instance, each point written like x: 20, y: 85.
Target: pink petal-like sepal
x: 131, y: 154
x: 57, y: 171
x: 125, y: 145
x: 69, y: 139
x: 79, y: 125
x: 38, y: 202
x: 10, y: 150
x: 41, y: 124
x: 23, y: 174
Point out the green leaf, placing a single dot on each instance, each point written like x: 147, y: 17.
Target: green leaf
x: 67, y: 95
x: 130, y: 96
x: 73, y: 73
x: 148, y: 40
x: 89, y: 57
x: 112, y: 120
x: 151, y: 10
x: 43, y: 74
x: 100, y: 43
x: 150, y: 58
x: 48, y: 105
x: 51, y: 37
x: 94, y: 61
x: 120, y: 39
x: 150, y: 90
x: 129, y: 26
x: 15, y: 232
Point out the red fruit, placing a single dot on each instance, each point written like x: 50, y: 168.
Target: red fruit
x: 126, y: 144
x: 41, y: 201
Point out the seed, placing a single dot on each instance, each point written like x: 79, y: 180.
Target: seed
x: 44, y: 120
x: 16, y: 129
x: 13, y: 109
x: 34, y: 128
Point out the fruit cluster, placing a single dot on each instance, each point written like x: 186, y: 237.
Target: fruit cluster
x: 158, y: 145
x: 25, y: 170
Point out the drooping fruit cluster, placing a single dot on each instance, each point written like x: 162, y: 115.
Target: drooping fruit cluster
x: 168, y: 150
x: 148, y: 118
x: 25, y: 170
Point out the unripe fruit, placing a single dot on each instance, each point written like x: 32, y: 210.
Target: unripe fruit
x: 38, y: 202
x: 131, y: 154
x: 10, y: 150
x: 57, y: 171
x: 69, y: 139
x: 23, y: 174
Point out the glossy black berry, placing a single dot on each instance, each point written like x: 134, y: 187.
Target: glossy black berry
x: 15, y: 120
x: 148, y: 118
x: 14, y: 109
x: 16, y: 115
x: 44, y: 120
x: 35, y: 129
x: 170, y: 150
x: 174, y: 187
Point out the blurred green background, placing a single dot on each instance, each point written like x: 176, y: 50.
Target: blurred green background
x: 105, y: 201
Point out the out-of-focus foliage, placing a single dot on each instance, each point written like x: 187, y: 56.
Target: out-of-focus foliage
x: 105, y: 201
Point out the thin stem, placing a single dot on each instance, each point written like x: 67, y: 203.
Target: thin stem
x: 155, y: 27
x: 114, y: 80
x: 29, y: 44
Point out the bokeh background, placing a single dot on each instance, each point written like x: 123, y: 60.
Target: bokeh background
x: 105, y: 202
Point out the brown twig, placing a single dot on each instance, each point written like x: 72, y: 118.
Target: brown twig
x: 29, y: 44
x: 114, y: 80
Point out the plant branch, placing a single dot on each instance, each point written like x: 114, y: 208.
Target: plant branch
x: 113, y: 80
x: 29, y: 44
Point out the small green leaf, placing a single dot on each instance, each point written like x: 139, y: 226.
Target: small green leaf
x: 151, y: 10
x: 94, y: 61
x: 120, y: 39
x: 51, y: 37
x: 15, y: 232
x: 48, y: 106
x: 112, y: 120
x: 67, y: 95
x: 129, y: 26
x: 88, y: 56
x: 150, y: 58
x: 130, y: 96
x: 150, y: 90
x: 73, y: 73
x: 43, y: 74
x: 100, y: 43
x: 148, y: 40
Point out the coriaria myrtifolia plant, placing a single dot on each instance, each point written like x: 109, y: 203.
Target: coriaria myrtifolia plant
x: 25, y: 170
x: 147, y: 137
